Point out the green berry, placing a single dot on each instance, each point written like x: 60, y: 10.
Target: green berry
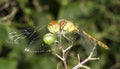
x: 49, y: 38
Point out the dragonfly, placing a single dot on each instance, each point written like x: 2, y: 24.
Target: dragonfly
x: 61, y: 27
x: 64, y: 26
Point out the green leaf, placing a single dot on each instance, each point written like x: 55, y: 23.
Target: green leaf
x: 3, y: 34
x: 8, y: 64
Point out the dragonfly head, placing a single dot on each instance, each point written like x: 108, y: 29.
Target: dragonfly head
x: 54, y: 27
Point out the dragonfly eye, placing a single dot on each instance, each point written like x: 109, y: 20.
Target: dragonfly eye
x: 53, y: 22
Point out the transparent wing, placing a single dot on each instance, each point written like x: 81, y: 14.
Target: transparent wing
x: 87, y: 43
x: 33, y: 37
x: 36, y: 43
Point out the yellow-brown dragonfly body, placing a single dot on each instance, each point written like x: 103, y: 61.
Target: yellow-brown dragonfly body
x: 66, y: 26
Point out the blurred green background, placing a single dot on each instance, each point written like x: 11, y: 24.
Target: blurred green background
x: 100, y: 18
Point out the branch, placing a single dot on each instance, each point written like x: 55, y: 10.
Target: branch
x: 10, y: 16
x: 63, y: 57
x: 80, y: 64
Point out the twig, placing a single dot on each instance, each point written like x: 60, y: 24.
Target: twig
x: 80, y: 64
x: 64, y: 51
x: 10, y: 16
x: 63, y: 57
x: 78, y: 58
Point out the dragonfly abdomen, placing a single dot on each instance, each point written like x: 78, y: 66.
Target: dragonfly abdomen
x: 100, y: 43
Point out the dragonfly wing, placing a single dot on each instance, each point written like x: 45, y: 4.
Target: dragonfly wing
x: 33, y: 38
x: 87, y: 43
x: 37, y: 45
